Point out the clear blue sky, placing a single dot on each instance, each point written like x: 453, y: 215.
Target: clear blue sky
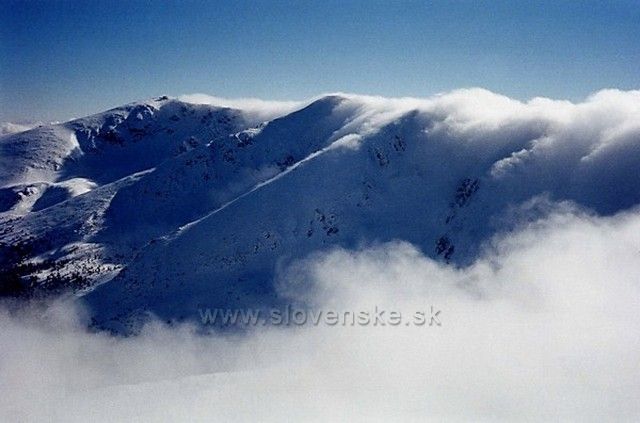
x: 65, y: 59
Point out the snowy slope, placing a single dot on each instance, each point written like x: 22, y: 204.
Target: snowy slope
x: 184, y: 206
x: 108, y: 146
x: 57, y: 181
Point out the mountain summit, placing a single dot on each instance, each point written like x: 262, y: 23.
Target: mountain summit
x: 164, y: 206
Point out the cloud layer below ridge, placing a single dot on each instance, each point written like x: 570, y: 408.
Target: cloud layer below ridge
x: 543, y: 326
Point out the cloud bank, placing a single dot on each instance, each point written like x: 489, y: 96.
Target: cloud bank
x: 255, y: 108
x: 544, y: 325
x: 542, y: 132
x: 7, y: 128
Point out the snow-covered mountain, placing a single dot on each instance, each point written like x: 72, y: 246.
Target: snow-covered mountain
x: 166, y: 206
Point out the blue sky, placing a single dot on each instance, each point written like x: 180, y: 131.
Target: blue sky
x: 65, y: 59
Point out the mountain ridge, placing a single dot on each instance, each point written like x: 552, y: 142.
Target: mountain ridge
x: 169, y: 205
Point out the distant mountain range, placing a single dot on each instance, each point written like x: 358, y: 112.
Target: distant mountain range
x: 164, y: 206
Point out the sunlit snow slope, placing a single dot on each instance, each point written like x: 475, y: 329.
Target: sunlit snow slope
x: 164, y: 206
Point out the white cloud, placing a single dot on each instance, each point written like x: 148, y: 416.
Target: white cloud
x: 7, y: 128
x: 543, y: 325
x: 259, y: 110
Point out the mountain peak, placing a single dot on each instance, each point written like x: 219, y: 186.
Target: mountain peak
x: 160, y: 204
